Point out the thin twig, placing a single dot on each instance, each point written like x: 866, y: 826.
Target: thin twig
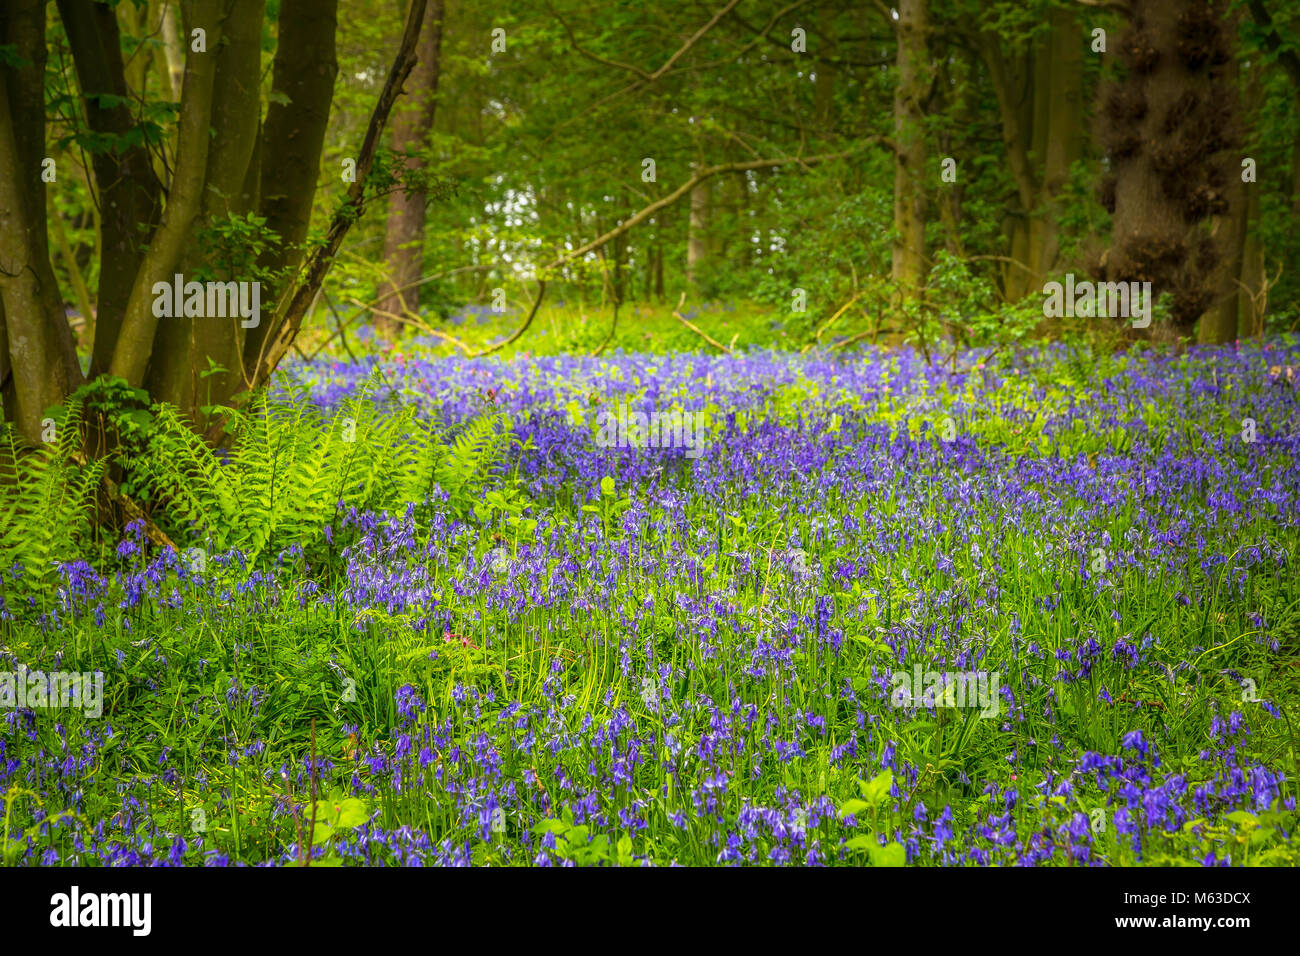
x: 827, y: 324
x: 677, y: 314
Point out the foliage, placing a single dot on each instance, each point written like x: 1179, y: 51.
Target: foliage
x: 622, y: 656
x: 47, y: 497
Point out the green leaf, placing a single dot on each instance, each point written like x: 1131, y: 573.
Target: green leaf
x: 853, y: 807
x: 891, y: 854
x: 352, y: 813
x: 878, y: 789
x: 607, y: 486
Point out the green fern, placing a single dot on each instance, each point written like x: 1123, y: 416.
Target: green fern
x: 462, y: 467
x: 47, y: 498
x: 290, y: 465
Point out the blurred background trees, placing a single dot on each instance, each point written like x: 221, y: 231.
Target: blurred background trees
x: 916, y: 169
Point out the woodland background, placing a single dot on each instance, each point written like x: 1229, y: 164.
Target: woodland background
x: 795, y: 146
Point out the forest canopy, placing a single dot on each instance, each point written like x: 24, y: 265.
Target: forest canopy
x: 920, y: 171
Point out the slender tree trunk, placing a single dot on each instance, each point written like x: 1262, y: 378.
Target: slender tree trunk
x: 40, y: 365
x: 407, y: 210
x: 187, y: 345
x: 661, y: 231
x: 1219, y: 323
x: 1063, y: 145
x: 291, y: 141
x: 79, y: 288
x: 1252, y: 268
x: 1252, y: 253
x: 1043, y: 138
x: 909, y: 135
x: 824, y: 86
x: 134, y: 346
x: 128, y: 190
x: 697, y: 238
x: 162, y: 15
x: 1295, y: 171
x: 619, y: 261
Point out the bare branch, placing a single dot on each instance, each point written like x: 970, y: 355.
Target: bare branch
x: 596, y: 58
x: 664, y: 203
x: 677, y: 314
x: 695, y: 38
x: 532, y: 314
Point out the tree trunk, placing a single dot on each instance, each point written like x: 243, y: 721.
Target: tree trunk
x: 908, y: 266
x: 134, y: 346
x: 1252, y: 269
x: 128, y: 190
x: 1043, y: 138
x: 1295, y: 171
x: 293, y: 136
x: 1168, y: 127
x: 1252, y: 253
x: 1219, y: 324
x: 1064, y: 134
x: 697, y: 237
x: 40, y: 363
x: 172, y: 64
x: 824, y: 85
x: 187, y: 345
x: 404, y: 233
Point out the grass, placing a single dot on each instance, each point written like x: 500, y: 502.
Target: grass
x: 623, y: 656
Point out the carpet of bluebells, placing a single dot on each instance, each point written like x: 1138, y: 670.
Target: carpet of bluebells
x: 635, y: 657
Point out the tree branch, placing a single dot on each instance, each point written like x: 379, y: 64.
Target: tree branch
x: 532, y: 314
x: 663, y: 203
x: 293, y: 306
x: 677, y: 314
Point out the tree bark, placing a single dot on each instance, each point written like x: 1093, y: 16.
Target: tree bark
x: 697, y: 234
x: 1219, y: 324
x: 407, y: 209
x: 41, y: 360
x: 134, y: 346
x: 908, y: 260
x: 291, y: 142
x: 1064, y: 135
x: 185, y: 345
x: 170, y: 49
x: 1043, y: 138
x: 297, y: 298
x: 1170, y: 128
x: 128, y: 190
